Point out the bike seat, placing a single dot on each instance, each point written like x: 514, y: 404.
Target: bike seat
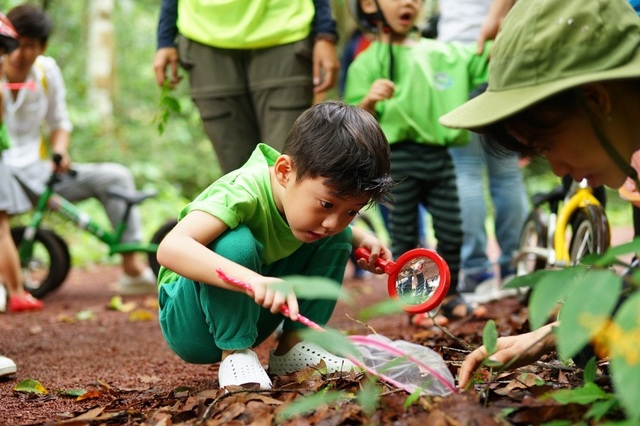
x: 131, y: 197
x: 555, y: 195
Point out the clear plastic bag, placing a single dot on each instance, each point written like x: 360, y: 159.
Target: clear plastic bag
x: 406, y: 365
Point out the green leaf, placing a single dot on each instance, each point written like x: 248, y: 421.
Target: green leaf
x: 590, y: 370
x: 608, y: 258
x: 72, y: 392
x: 314, y: 287
x: 31, y: 386
x: 411, y: 399
x: 625, y: 360
x: 587, y: 394
x: 386, y: 307
x: 332, y: 340
x: 303, y: 406
x: 582, y: 315
x: 85, y: 315
x: 171, y: 104
x: 552, y: 288
x: 529, y: 280
x: 490, y: 337
x: 600, y: 409
x: 368, y: 397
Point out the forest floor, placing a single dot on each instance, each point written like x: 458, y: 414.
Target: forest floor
x: 119, y: 362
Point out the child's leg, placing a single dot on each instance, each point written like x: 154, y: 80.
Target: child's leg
x: 325, y: 258
x: 403, y: 216
x: 199, y: 321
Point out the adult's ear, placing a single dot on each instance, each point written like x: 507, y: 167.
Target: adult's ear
x: 597, y: 97
x: 283, y: 169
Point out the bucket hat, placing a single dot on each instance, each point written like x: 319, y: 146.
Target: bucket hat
x: 7, y: 35
x: 547, y: 46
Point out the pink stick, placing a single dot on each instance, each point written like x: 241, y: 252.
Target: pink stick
x: 358, y: 339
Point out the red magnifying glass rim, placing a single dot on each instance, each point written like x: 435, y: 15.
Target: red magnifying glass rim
x: 394, y: 268
x: 441, y: 291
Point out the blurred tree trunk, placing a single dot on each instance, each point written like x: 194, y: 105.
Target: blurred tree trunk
x: 100, y: 59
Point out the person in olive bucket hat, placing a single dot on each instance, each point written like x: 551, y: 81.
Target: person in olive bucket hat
x: 564, y: 82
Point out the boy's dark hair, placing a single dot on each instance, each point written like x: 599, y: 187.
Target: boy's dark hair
x: 31, y: 21
x: 344, y: 145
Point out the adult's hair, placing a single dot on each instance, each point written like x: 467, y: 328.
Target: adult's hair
x: 31, y: 21
x: 535, y: 123
x: 345, y: 145
x: 542, y: 119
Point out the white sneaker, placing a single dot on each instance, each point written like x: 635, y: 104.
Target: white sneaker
x: 145, y: 283
x: 7, y: 366
x: 304, y: 355
x: 243, y: 368
x: 488, y: 291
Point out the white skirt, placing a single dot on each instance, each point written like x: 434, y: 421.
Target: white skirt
x: 13, y: 199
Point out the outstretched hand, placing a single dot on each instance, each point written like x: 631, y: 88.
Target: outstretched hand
x: 517, y: 350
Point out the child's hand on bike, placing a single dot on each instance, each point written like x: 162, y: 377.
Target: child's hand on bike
x: 61, y: 161
x: 270, y: 293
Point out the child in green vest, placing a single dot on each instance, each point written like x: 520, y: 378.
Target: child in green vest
x: 407, y: 83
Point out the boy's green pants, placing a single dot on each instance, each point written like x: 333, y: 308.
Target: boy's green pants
x: 198, y: 320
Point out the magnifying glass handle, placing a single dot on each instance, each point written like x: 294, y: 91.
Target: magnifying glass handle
x: 387, y: 265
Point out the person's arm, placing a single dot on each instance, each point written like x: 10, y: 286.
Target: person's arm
x: 519, y: 350
x: 184, y: 250
x: 167, y: 52
x: 325, y: 59
x: 57, y: 115
x: 492, y: 22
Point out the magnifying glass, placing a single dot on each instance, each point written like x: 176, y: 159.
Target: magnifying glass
x: 420, y: 278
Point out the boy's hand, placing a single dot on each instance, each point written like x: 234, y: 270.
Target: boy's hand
x: 270, y: 297
x: 378, y: 250
x: 381, y: 89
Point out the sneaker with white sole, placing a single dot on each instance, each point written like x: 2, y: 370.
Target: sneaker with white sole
x: 243, y: 368
x: 7, y: 366
x: 304, y: 355
x: 489, y: 291
x: 145, y: 283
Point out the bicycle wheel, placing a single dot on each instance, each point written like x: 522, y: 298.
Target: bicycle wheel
x: 48, y: 264
x: 591, y: 233
x: 157, y: 237
x: 533, y: 235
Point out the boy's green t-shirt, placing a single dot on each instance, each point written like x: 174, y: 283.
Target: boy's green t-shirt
x: 245, y: 24
x: 431, y: 78
x: 244, y: 196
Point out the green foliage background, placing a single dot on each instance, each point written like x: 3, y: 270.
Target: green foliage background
x: 180, y: 162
